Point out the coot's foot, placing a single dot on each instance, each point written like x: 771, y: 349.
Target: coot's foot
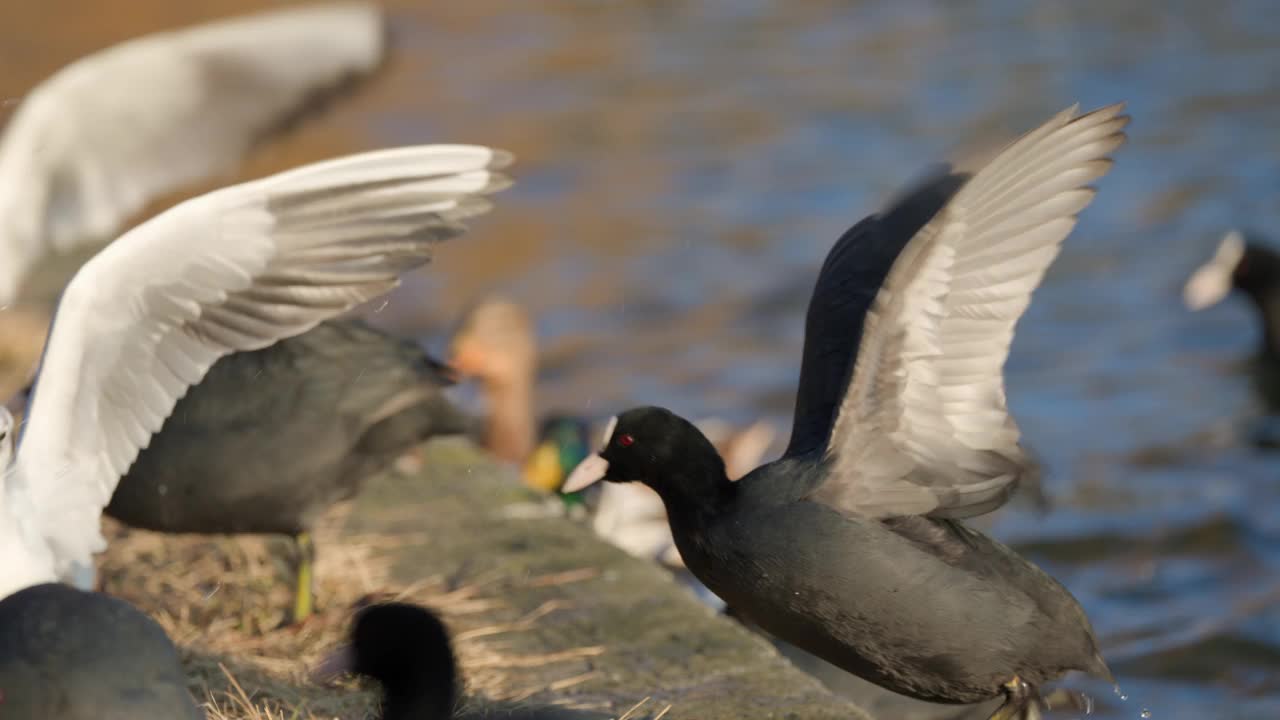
x: 1021, y: 702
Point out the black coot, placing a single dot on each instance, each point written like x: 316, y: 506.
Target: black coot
x: 850, y: 546
x: 270, y: 439
x: 66, y: 654
x: 1246, y: 263
x: 406, y: 649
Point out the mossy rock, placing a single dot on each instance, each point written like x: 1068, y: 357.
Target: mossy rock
x: 647, y: 636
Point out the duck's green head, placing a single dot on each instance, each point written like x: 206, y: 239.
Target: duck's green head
x: 562, y: 444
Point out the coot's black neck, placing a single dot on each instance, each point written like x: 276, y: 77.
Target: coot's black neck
x: 696, y: 490
x: 1267, y: 301
x: 1258, y: 277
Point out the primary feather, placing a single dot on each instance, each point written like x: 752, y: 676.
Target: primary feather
x: 923, y: 427
x: 233, y: 270
x: 106, y: 134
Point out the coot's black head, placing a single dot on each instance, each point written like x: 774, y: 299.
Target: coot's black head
x: 405, y: 648
x: 1243, y: 262
x: 654, y: 446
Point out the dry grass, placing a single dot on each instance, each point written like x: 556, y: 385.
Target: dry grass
x: 223, y: 600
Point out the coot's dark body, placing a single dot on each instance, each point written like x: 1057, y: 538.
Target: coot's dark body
x: 268, y: 440
x: 72, y: 655
x: 868, y: 596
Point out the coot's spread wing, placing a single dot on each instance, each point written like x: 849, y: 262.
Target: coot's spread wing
x: 847, y: 284
x: 923, y: 426
x: 105, y: 135
x: 237, y: 269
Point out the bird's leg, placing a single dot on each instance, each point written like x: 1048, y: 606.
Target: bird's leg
x: 302, y: 602
x: 1018, y: 696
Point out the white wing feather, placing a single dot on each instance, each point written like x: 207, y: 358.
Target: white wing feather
x: 923, y: 427
x: 106, y: 134
x: 233, y: 270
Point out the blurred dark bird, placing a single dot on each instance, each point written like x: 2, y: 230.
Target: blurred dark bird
x: 1246, y: 263
x: 406, y: 649
x: 105, y: 135
x: 66, y: 654
x: 270, y: 439
x: 850, y: 546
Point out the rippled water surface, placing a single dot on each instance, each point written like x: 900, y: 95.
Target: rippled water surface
x: 684, y: 167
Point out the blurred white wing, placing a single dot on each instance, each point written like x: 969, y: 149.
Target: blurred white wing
x: 233, y: 270
x: 923, y: 427
x: 104, y: 135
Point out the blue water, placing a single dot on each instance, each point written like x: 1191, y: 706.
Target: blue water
x: 684, y: 167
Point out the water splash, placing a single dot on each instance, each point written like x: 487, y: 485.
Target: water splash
x: 1145, y: 714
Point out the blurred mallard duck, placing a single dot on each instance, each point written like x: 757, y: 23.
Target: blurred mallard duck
x: 496, y: 345
x: 562, y: 442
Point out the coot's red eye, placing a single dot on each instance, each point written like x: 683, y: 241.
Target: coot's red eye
x: 625, y: 440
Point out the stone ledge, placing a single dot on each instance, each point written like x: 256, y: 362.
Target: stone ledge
x: 646, y: 635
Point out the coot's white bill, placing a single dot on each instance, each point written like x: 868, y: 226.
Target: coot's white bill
x: 1211, y: 282
x: 590, y: 471
x: 608, y: 431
